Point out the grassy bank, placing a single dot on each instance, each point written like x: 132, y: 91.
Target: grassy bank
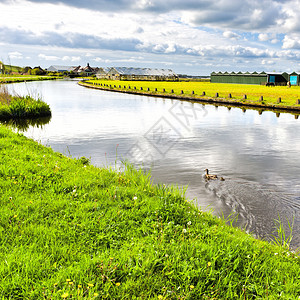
x: 69, y: 230
x: 19, y: 107
x: 22, y: 78
x: 270, y: 95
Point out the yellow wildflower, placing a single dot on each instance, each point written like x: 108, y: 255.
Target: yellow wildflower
x: 96, y: 294
x: 68, y: 280
x: 118, y: 284
x: 90, y: 284
x: 191, y: 287
x: 65, y: 295
x: 209, y: 264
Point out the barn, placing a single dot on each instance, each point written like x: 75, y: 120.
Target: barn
x: 250, y: 78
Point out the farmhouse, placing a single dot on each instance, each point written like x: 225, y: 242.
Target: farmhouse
x: 88, y: 70
x: 253, y: 78
x: 123, y: 73
x: 102, y: 73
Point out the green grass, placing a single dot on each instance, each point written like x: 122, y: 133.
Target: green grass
x: 71, y: 230
x: 19, y: 107
x: 22, y: 78
x: 289, y: 96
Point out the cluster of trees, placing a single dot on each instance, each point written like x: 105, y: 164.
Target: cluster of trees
x: 34, y: 71
x: 8, y: 69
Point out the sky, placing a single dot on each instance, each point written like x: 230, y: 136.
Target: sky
x: 194, y: 37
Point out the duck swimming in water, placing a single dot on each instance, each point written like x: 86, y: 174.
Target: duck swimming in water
x: 211, y: 176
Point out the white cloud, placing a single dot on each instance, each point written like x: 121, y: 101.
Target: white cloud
x: 231, y: 35
x: 267, y: 62
x: 15, y: 55
x: 263, y: 37
x: 48, y: 57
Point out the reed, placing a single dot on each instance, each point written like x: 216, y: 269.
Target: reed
x: 20, y: 107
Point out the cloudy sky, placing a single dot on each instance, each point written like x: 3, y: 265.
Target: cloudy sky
x: 189, y: 36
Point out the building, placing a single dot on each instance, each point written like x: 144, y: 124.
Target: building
x: 85, y: 71
x: 60, y: 69
x: 102, y: 73
x: 250, y: 78
x: 124, y: 73
x: 294, y: 78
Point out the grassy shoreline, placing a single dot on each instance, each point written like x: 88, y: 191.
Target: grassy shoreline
x: 16, y: 107
x: 193, y: 91
x: 69, y: 230
x: 21, y: 78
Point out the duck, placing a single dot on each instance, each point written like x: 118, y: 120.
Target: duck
x: 209, y: 176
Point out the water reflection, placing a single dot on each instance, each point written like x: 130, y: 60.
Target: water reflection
x: 24, y: 124
x: 255, y: 151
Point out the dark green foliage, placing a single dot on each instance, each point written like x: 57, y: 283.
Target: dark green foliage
x: 18, y: 107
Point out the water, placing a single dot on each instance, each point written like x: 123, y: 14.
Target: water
x: 258, y: 155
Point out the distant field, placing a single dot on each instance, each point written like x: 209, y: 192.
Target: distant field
x: 270, y: 95
x: 21, y: 78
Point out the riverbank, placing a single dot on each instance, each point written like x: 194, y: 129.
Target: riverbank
x: 22, y: 78
x: 231, y: 95
x: 71, y: 230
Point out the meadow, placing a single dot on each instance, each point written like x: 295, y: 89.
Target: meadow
x: 69, y: 230
x: 22, y: 78
x: 289, y: 96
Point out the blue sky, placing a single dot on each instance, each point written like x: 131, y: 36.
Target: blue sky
x: 191, y: 37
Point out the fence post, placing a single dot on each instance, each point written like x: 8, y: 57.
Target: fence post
x: 298, y: 101
x: 155, y: 89
x: 181, y: 92
x: 229, y: 96
x: 261, y: 98
x: 164, y: 90
x: 279, y: 100
x: 217, y: 95
x: 203, y: 94
x: 245, y: 97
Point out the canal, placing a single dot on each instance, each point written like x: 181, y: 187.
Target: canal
x: 258, y: 154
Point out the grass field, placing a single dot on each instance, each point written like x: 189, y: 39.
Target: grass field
x: 289, y: 96
x: 69, y: 230
x: 21, y: 78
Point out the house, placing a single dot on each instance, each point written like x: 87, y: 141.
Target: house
x: 124, y: 73
x: 102, y: 73
x: 86, y: 71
